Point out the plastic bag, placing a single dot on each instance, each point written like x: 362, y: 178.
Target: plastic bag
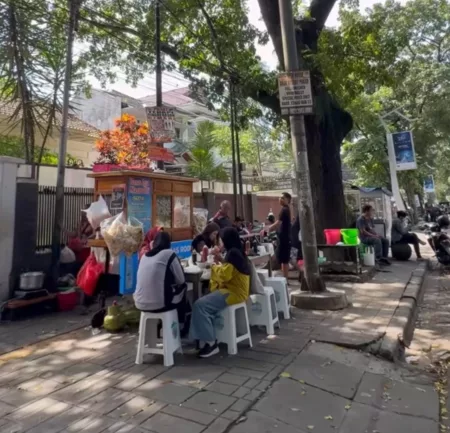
x: 97, y: 212
x: 200, y: 220
x: 89, y: 274
x: 121, y: 235
x: 67, y: 256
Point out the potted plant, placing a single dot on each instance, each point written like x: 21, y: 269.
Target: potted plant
x: 124, y: 147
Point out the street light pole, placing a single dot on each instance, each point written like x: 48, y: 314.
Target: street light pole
x: 74, y: 6
x: 233, y: 147
x: 158, y: 66
x: 299, y: 149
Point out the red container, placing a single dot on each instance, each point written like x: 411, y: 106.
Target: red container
x: 67, y: 301
x: 332, y: 236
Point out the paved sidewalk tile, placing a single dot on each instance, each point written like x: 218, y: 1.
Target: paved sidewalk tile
x: 163, y: 423
x: 222, y: 388
x: 233, y: 379
x: 210, y: 402
x: 326, y: 374
x: 167, y: 392
x: 196, y: 376
x: 189, y: 414
x: 257, y: 423
x: 400, y: 397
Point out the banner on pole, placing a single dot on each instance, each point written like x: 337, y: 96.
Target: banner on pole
x: 405, y: 156
x: 161, y: 124
x: 428, y: 184
x: 295, y: 93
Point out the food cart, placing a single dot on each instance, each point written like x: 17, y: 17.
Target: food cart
x: 155, y: 199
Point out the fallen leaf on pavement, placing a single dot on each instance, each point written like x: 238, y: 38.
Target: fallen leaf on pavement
x: 295, y: 409
x: 301, y: 381
x: 194, y: 382
x: 365, y: 394
x: 285, y: 374
x: 310, y: 427
x: 420, y: 389
x: 241, y: 419
x: 328, y: 417
x: 347, y: 407
x: 303, y: 392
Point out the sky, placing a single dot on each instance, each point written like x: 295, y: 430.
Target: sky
x: 171, y: 82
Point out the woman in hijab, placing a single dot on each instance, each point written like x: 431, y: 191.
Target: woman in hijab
x: 207, y: 237
x: 148, y: 240
x: 160, y: 282
x: 230, y: 284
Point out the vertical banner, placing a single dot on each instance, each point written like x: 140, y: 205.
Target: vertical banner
x: 428, y: 184
x: 405, y: 157
x: 139, y: 198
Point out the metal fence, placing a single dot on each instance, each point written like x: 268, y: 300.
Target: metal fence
x: 268, y: 183
x: 75, y: 199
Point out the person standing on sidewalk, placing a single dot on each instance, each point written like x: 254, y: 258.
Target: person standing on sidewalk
x: 368, y: 235
x: 283, y: 229
x: 401, y: 235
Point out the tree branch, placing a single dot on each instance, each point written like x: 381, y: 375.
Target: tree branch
x: 319, y: 11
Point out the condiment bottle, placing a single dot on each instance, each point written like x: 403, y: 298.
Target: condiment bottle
x: 205, y: 253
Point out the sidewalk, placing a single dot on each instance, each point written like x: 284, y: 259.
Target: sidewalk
x: 77, y: 382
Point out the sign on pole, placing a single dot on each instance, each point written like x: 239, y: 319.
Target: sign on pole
x: 405, y: 156
x: 428, y: 184
x: 161, y: 124
x: 295, y: 93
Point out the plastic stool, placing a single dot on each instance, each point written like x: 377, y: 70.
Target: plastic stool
x: 263, y: 274
x: 262, y: 310
x: 279, y: 286
x: 171, y: 341
x: 232, y: 326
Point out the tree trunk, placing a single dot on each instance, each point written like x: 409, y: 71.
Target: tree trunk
x: 327, y: 128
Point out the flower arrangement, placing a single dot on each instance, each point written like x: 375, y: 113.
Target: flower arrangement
x: 126, y: 145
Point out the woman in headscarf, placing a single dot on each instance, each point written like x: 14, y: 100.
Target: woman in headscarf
x: 160, y: 282
x: 208, y: 237
x: 148, y: 240
x: 230, y: 284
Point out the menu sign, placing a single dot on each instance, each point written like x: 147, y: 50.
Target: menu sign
x: 117, y: 197
x: 139, y: 198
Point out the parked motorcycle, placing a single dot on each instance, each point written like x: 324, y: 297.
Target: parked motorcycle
x: 439, y: 240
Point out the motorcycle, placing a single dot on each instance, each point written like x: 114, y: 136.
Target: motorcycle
x: 439, y: 242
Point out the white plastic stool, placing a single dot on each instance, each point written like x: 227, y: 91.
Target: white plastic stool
x: 232, y: 327
x: 148, y: 341
x: 263, y: 274
x: 279, y: 286
x: 262, y: 310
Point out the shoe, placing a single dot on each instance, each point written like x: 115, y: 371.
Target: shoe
x: 385, y: 261
x: 208, y: 350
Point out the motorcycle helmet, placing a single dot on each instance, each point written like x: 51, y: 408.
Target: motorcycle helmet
x: 443, y: 221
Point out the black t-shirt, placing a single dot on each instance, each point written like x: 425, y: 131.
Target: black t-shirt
x: 284, y: 231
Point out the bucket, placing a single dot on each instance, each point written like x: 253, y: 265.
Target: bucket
x: 350, y: 236
x: 67, y: 300
x: 332, y: 236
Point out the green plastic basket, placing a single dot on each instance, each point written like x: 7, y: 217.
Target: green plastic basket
x: 350, y: 236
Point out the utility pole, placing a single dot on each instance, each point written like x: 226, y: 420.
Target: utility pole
x: 238, y: 161
x: 74, y: 7
x: 158, y: 68
x: 300, y: 152
x: 233, y: 147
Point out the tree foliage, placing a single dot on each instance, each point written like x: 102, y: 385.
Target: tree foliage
x: 393, y: 57
x: 205, y: 163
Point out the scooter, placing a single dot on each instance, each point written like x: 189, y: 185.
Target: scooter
x: 439, y: 241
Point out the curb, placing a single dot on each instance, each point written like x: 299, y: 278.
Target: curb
x: 400, y: 330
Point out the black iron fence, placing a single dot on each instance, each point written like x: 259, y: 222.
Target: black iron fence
x: 75, y: 199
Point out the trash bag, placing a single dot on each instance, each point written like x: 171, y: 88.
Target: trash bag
x: 97, y: 212
x: 122, y: 235
x: 89, y: 274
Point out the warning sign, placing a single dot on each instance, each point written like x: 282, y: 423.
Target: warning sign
x: 295, y: 93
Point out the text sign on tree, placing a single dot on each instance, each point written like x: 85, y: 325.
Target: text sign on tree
x: 405, y: 156
x: 161, y: 124
x: 295, y: 93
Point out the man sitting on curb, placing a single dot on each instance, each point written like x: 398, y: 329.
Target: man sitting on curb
x: 368, y: 235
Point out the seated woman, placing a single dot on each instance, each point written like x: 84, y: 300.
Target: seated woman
x: 401, y: 235
x: 160, y: 282
x: 148, y: 240
x: 207, y: 237
x: 230, y: 284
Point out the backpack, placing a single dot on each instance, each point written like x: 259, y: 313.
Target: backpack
x: 173, y: 293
